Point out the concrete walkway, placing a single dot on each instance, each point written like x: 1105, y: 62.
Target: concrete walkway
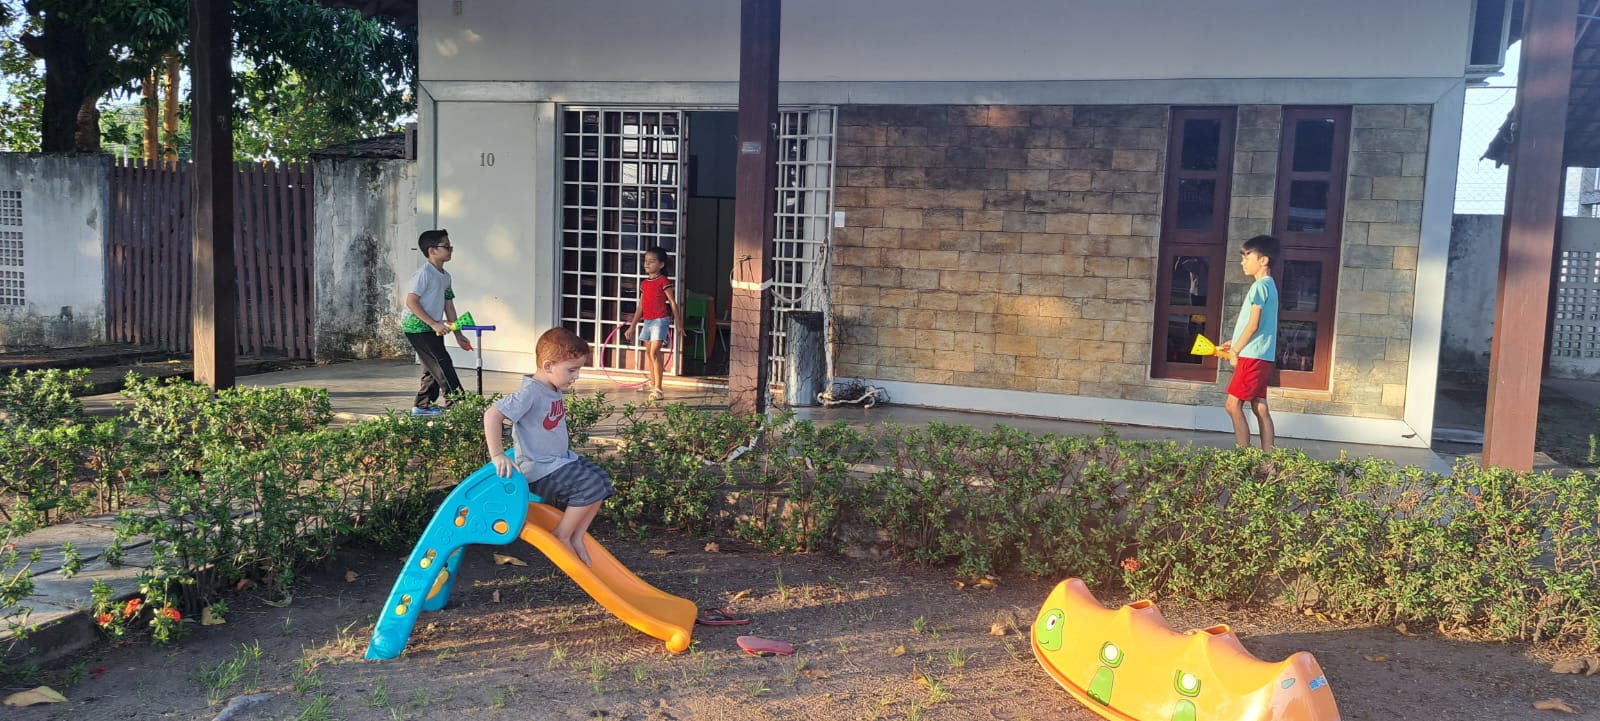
x: 366, y: 389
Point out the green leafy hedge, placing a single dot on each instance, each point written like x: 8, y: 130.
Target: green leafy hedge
x: 254, y: 484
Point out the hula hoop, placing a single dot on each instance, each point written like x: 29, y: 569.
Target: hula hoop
x: 665, y: 358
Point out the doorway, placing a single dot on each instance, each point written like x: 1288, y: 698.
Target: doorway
x: 633, y: 178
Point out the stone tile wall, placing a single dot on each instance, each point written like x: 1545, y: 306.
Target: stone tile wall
x: 1015, y: 247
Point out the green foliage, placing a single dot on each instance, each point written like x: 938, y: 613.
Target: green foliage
x: 666, y: 470
x: 331, y: 70
x: 251, y: 484
x: 798, y: 480
x: 43, y: 398
x: 310, y: 70
x: 16, y: 584
x: 952, y: 494
x: 56, y: 460
x: 185, y: 424
x: 23, y: 78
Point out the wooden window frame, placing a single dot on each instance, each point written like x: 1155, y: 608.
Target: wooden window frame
x: 1324, y: 247
x: 1176, y: 242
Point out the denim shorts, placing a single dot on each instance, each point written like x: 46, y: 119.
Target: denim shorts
x: 650, y: 330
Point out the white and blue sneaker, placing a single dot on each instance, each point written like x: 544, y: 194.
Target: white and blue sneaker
x: 429, y: 411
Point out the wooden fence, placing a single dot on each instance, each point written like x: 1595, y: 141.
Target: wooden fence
x: 149, y: 273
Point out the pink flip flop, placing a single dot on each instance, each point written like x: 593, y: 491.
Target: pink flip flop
x: 757, y: 646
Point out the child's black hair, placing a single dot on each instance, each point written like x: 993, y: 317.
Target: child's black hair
x: 1265, y: 246
x: 432, y: 239
x: 661, y: 254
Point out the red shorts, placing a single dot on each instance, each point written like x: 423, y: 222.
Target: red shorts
x: 1250, y: 379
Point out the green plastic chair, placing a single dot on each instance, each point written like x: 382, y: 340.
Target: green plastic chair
x: 696, y: 311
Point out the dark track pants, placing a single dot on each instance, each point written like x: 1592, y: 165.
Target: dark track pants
x: 438, y: 371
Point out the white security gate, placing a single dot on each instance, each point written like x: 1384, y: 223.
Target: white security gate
x: 803, y: 230
x: 622, y: 177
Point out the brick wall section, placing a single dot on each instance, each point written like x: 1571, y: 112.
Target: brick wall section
x: 1015, y: 246
x: 999, y: 246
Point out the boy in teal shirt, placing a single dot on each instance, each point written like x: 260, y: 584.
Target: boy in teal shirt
x: 1255, y: 336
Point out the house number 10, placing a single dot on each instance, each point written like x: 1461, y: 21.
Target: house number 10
x: 486, y: 160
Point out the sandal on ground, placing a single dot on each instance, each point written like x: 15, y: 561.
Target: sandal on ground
x: 719, y: 617
x: 655, y: 394
x: 757, y: 646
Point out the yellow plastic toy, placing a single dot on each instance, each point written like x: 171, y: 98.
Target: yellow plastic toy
x: 1203, y: 346
x: 1128, y: 665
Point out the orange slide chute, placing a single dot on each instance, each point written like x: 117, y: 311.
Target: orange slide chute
x: 648, y: 609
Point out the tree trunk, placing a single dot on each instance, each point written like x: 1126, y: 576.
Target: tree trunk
x: 169, y: 114
x: 149, y: 100
x: 68, y: 87
x: 87, y: 139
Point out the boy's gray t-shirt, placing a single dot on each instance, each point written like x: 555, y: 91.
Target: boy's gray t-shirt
x: 538, y: 416
x: 432, y: 287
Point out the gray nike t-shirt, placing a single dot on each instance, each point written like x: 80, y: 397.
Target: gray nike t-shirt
x: 538, y: 416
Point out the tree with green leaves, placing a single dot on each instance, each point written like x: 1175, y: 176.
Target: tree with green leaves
x: 356, y: 72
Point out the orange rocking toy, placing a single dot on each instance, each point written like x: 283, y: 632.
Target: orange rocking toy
x: 1128, y: 665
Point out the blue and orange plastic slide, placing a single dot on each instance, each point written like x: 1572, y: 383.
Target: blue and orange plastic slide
x: 491, y: 510
x: 1128, y: 665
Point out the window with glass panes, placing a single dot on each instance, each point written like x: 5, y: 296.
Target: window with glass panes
x: 1194, y: 241
x: 1308, y: 217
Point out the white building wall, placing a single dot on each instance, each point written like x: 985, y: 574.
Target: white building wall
x: 494, y: 75
x: 64, y: 199
x: 500, y: 220
x: 943, y: 40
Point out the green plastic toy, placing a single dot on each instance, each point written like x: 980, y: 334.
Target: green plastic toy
x: 462, y: 322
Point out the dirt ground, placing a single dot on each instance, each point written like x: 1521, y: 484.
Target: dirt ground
x: 863, y: 631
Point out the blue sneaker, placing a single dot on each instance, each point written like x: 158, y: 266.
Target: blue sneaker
x: 430, y: 411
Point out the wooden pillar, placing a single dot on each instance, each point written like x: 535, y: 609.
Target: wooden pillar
x: 211, y: 40
x: 1527, y: 249
x: 755, y: 190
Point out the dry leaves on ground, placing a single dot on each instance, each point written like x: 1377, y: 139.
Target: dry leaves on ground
x: 501, y: 559
x: 42, y: 694
x: 1586, y: 665
x: 1554, y: 704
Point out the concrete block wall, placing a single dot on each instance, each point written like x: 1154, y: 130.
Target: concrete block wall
x: 366, y: 230
x: 999, y: 246
x: 1015, y: 247
x: 54, y: 225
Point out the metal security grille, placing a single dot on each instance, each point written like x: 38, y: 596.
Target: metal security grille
x: 622, y: 186
x: 13, y: 288
x: 1577, y: 321
x: 804, y: 223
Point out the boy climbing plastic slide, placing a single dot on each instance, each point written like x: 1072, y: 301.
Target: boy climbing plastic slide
x: 491, y: 510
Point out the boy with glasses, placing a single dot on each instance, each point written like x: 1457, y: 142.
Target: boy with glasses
x: 1254, y: 346
x: 430, y: 308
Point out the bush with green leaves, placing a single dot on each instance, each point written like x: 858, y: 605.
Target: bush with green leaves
x: 796, y: 484
x: 43, y: 398
x: 667, y: 469
x: 251, y: 484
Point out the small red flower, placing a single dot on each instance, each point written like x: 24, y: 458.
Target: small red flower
x: 132, y: 607
x: 1130, y: 564
x: 103, y: 619
x: 172, y: 613
x: 97, y: 672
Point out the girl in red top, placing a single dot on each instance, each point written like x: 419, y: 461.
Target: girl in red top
x: 656, y: 301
